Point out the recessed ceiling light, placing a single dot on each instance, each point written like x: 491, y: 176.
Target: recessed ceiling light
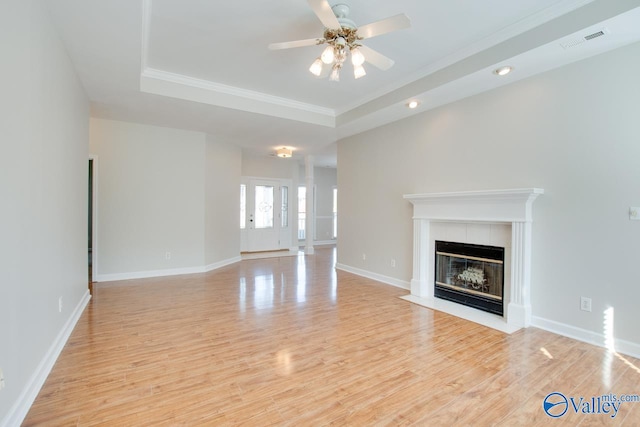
x: 503, y: 71
x: 413, y: 104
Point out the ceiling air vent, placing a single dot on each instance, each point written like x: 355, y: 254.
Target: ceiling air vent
x: 594, y: 35
x: 577, y: 41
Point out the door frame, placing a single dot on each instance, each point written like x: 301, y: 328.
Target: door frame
x: 94, y: 218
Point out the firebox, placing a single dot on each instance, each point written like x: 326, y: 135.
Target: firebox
x: 469, y: 274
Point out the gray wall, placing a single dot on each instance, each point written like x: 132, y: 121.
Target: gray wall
x: 573, y: 131
x: 44, y: 132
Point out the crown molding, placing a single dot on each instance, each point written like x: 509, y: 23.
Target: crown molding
x: 179, y: 86
x: 235, y: 91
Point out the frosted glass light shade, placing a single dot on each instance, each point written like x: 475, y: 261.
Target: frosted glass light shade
x: 327, y: 55
x: 335, y: 74
x: 357, y: 58
x: 358, y: 71
x: 316, y: 67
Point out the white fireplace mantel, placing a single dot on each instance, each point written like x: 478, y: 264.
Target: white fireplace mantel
x: 508, y: 206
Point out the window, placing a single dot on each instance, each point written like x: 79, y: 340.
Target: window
x: 264, y: 206
x: 284, y: 204
x: 243, y: 206
x: 302, y: 209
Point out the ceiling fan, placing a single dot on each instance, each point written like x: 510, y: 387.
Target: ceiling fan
x: 343, y: 37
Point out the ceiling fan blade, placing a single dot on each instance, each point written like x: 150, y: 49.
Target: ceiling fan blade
x: 297, y: 43
x: 376, y: 59
x: 384, y: 26
x: 325, y: 14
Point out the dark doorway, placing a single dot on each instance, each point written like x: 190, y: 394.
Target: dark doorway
x: 90, y: 226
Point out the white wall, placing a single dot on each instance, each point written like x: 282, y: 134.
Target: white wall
x: 573, y: 131
x: 222, y: 201
x: 269, y: 167
x: 44, y: 118
x: 151, y: 183
x: 163, y: 190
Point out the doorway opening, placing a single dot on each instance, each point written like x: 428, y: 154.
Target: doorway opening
x: 91, y: 220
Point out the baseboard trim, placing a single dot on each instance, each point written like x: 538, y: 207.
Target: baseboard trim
x: 375, y: 276
x: 620, y: 346
x: 223, y: 263
x: 147, y: 274
x: 20, y: 409
x: 324, y: 242
x: 163, y: 273
x: 302, y: 243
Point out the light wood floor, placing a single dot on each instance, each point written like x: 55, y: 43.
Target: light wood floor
x: 290, y: 341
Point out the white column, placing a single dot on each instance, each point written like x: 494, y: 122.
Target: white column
x: 519, y: 307
x: 310, y: 220
x: 419, y: 283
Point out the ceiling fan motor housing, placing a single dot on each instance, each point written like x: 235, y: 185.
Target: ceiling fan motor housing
x: 342, y: 12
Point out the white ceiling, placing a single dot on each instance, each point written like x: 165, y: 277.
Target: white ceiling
x: 204, y: 65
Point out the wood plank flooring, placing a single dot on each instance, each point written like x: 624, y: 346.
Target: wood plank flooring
x: 290, y: 341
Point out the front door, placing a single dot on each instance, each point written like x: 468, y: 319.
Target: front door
x: 267, y: 215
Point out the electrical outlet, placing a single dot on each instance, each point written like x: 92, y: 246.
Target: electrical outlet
x: 167, y: 255
x: 393, y: 263
x: 1, y: 379
x: 634, y: 213
x: 60, y: 305
x: 585, y: 304
x: 364, y: 257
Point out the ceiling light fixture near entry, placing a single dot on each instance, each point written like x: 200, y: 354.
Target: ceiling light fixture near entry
x: 284, y: 152
x: 503, y: 71
x: 413, y: 104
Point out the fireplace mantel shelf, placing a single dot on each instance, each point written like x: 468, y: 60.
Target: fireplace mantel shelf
x: 505, y: 205
x: 501, y: 206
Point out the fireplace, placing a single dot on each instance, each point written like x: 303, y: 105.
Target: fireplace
x: 468, y: 274
x: 498, y: 218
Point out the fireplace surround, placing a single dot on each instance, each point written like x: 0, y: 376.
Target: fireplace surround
x: 500, y: 218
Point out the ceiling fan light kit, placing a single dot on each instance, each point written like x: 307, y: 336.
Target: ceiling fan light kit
x: 343, y: 40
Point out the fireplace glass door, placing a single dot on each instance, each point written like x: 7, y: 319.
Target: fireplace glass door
x: 472, y: 275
